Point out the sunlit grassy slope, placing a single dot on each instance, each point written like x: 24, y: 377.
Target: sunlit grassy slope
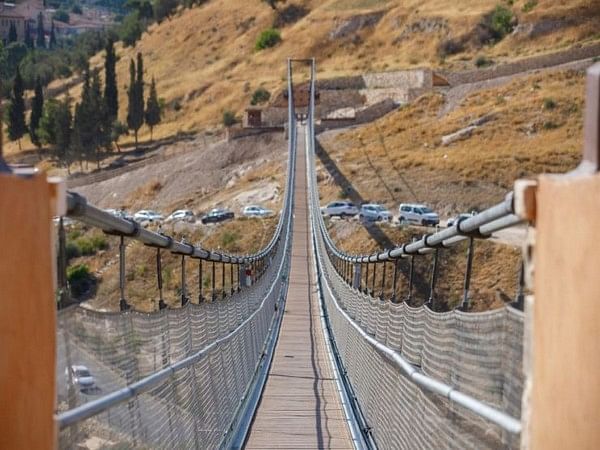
x: 204, y: 59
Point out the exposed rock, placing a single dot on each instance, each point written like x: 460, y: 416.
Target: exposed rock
x: 354, y: 24
x: 459, y: 135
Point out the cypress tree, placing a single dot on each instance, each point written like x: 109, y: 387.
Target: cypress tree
x: 135, y: 94
x: 16, y: 113
x: 52, y: 43
x: 37, y: 107
x: 63, y: 133
x: 111, y: 94
x: 12, y: 33
x: 28, y: 40
x: 100, y: 130
x: 40, y: 40
x: 152, y: 115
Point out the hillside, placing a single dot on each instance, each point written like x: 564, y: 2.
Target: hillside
x: 534, y: 125
x: 204, y: 59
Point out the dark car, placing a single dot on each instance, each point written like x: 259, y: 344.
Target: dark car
x: 217, y: 215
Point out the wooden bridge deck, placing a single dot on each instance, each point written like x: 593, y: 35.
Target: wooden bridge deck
x: 300, y: 407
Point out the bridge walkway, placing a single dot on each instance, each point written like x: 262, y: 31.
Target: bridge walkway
x: 300, y: 407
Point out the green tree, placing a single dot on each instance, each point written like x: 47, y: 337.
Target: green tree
x: 111, y: 94
x: 131, y: 29
x: 153, y: 110
x: 15, y: 52
x: 117, y: 130
x: 37, y: 106
x: 52, y: 42
x: 163, y: 8
x: 89, y: 129
x: 135, y: 94
x: 63, y: 132
x: 61, y: 15
x: 40, y: 39
x: 16, y: 111
x: 12, y: 33
x: 28, y: 41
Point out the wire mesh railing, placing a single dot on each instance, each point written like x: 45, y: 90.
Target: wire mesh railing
x: 422, y: 378
x: 176, y: 377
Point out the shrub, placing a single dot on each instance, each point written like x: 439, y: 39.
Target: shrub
x: 289, y: 14
x: 76, y: 9
x: 529, y: 5
x: 450, y: 47
x: 261, y: 95
x: 549, y: 103
x: 80, y: 279
x: 549, y: 125
x: 229, y: 238
x: 72, y: 250
x: 482, y: 61
x: 61, y: 15
x: 495, y: 26
x: 268, y: 38
x: 229, y: 118
x: 502, y: 21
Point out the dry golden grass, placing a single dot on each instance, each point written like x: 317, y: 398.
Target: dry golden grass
x: 494, y: 276
x: 537, y: 128
x: 204, y: 59
x: 242, y: 236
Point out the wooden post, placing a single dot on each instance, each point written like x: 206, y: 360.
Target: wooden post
x: 562, y: 402
x: 27, y: 318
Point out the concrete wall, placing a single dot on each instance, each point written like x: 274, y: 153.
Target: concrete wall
x: 533, y: 63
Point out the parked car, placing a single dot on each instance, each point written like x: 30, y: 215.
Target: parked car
x: 146, y: 215
x: 181, y: 215
x: 256, y: 211
x: 418, y: 214
x: 340, y: 209
x: 217, y: 215
x: 375, y: 212
x: 81, y: 377
x: 454, y: 220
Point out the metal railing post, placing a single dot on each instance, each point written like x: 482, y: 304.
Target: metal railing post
x: 161, y: 300
x: 374, y: 278
x: 520, y: 298
x: 394, y: 282
x: 200, y: 282
x: 434, y: 269
x: 184, y: 298
x: 213, y: 295
x: 411, y: 277
x: 123, y: 305
x: 383, y: 281
x: 467, y: 283
x: 223, y: 295
x: 366, y: 291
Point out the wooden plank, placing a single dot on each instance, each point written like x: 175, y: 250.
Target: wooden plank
x: 27, y: 321
x: 300, y: 406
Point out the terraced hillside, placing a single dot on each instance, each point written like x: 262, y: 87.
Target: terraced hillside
x: 205, y: 62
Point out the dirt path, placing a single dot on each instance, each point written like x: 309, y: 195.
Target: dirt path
x: 456, y: 94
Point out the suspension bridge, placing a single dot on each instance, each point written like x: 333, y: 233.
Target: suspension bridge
x: 304, y: 346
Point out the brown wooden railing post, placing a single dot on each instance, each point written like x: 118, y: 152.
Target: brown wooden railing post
x: 562, y: 363
x: 27, y: 320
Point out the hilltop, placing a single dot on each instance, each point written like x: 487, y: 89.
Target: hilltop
x: 205, y: 62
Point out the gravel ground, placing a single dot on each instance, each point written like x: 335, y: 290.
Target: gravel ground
x: 185, y: 180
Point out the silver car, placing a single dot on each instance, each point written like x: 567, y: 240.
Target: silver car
x: 256, y: 211
x: 81, y: 377
x: 375, y: 212
x: 340, y: 208
x: 181, y: 215
x: 417, y: 214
